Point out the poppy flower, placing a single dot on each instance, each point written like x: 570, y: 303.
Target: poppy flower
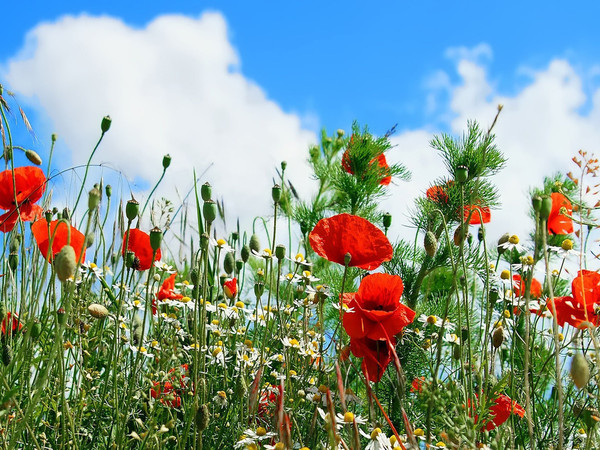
x: 11, y: 321
x: 139, y: 243
x: 501, y: 410
x: 381, y: 163
x: 437, y: 194
x: 535, y: 289
x: 332, y: 238
x: 417, y: 384
x: 559, y: 223
x: 486, y: 215
x: 377, y: 312
x: 167, y: 394
x: 230, y: 288
x: 167, y: 289
x: 28, y: 187
x: 376, y: 356
x: 59, y: 233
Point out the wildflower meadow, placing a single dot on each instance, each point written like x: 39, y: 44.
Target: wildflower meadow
x: 314, y: 328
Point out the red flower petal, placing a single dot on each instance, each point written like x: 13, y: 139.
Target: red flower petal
x: 486, y: 215
x: 40, y: 233
x: 29, y: 186
x: 381, y: 163
x: 535, y: 290
x: 166, y: 290
x: 437, y: 194
x: 376, y: 356
x: 139, y: 244
x: 11, y: 321
x: 230, y: 288
x: 332, y: 238
x: 558, y: 223
x: 501, y: 411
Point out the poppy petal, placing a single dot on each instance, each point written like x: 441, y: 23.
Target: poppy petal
x: 139, y: 243
x: 59, y: 233
x: 557, y: 222
x: 29, y: 185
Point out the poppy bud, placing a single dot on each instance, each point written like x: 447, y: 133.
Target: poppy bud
x: 108, y: 190
x: 132, y: 209
x: 283, y: 165
x: 15, y: 242
x: 62, y: 316
x: 229, y: 262
x: 54, y: 137
x: 94, y: 198
x: 156, y: 236
x: 98, y: 311
x: 166, y: 162
x: 36, y: 329
x: 276, y: 193
x: 536, y: 202
x: 503, y: 240
x: 65, y: 262
x: 206, y: 191
x: 481, y: 234
x: 498, y: 337
x: 387, y: 220
x: 7, y: 354
x: 195, y: 276
x: 2, y: 311
x: 33, y: 157
x: 255, y: 243
x: 89, y: 239
x: 202, y: 418
x: 239, y: 265
x: 8, y: 153
x: 105, y: 124
x: 13, y: 261
x: 456, y: 351
x: 580, y: 371
x: 280, y: 251
x: 546, y: 207
x: 259, y: 288
x: 209, y: 210
x: 430, y: 244
x: 462, y: 174
x: 460, y: 234
x: 245, y: 253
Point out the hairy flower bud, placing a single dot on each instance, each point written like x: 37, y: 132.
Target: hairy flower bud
x: 498, y: 337
x: 202, y: 417
x: 229, y: 263
x: 94, y: 198
x: 65, y: 263
x: 98, y: 311
x: 546, y: 207
x: 33, y: 157
x: 430, y: 243
x: 255, y: 243
x: 580, y: 371
x: 503, y: 240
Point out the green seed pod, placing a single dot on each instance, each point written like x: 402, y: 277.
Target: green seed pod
x: 239, y: 265
x: 202, y: 418
x: 54, y: 137
x: 255, y: 243
x: 546, y: 207
x: 280, y: 251
x: 62, y: 316
x: 229, y: 263
x: 481, y: 234
x: 245, y: 253
x: 7, y: 354
x: 580, y: 371
x: 33, y: 157
x: 503, y: 240
x: 206, y: 191
x: 65, y: 263
x: 536, y: 202
x: 105, y: 124
x: 276, y: 193
x: 156, y: 236
x: 132, y: 209
x: 13, y: 261
x: 387, y: 220
x: 166, y: 162
x: 498, y: 337
x: 108, y: 190
x: 94, y: 198
x: 430, y: 244
x: 347, y: 259
x: 209, y: 210
x: 89, y: 239
x: 462, y: 174
x: 129, y: 259
x: 97, y: 311
x: 36, y: 329
x: 48, y: 215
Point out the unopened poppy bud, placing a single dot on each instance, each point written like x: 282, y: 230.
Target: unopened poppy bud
x: 65, y: 263
x: 206, y: 191
x: 462, y: 174
x: 98, y: 311
x: 36, y: 329
x: 61, y: 314
x: 340, y: 132
x: 105, y: 124
x: 498, y: 337
x: 546, y: 207
x: 94, y: 198
x: 280, y: 251
x: 7, y: 354
x: 202, y: 418
x: 195, y: 276
x: 503, y: 240
x: 460, y: 234
x: 430, y: 243
x: 229, y: 262
x: 89, y: 239
x: 33, y: 157
x: 15, y: 242
x: 536, y: 202
x: 387, y: 220
x: 13, y: 261
x: 276, y: 193
x: 481, y: 234
x: 347, y: 258
x: 255, y: 243
x: 166, y: 162
x: 245, y: 253
x: 580, y: 371
x: 132, y: 209
x: 156, y: 236
x: 259, y: 288
x: 283, y: 165
x: 209, y: 210
x: 456, y: 351
x: 108, y: 190
x: 54, y: 137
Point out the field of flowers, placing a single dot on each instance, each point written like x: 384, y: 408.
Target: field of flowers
x: 315, y: 329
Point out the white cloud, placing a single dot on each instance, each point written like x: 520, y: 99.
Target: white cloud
x: 173, y: 86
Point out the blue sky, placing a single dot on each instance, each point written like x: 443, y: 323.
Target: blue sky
x: 235, y: 87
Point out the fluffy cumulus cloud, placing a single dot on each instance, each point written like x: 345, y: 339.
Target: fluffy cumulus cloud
x: 173, y: 86
x: 541, y: 127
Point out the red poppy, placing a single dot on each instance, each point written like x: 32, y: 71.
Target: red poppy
x: 501, y: 411
x: 332, y: 238
x: 28, y: 187
x: 166, y: 291
x: 167, y: 394
x: 139, y: 244
x: 486, y: 215
x: 377, y: 312
x: 417, y: 384
x: 535, y: 290
x: 376, y: 356
x: 11, y: 321
x: 230, y: 288
x: 381, y: 163
x: 437, y: 194
x: 557, y: 222
x: 580, y: 309
x: 59, y: 238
